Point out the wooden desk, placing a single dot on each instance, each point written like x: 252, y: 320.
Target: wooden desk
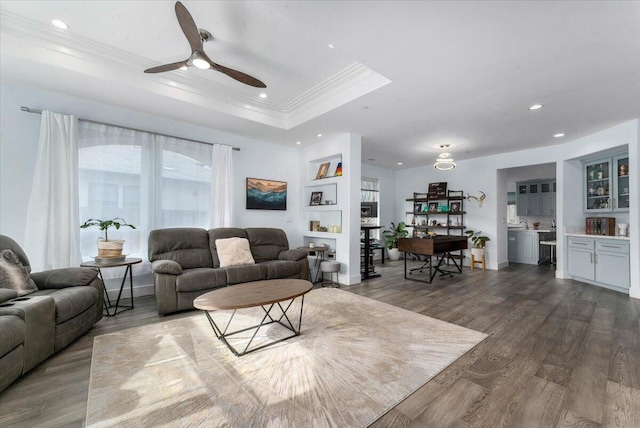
x: 439, y: 246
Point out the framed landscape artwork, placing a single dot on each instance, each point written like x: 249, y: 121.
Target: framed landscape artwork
x: 265, y: 194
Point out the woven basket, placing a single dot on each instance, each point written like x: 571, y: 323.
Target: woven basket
x: 107, y: 249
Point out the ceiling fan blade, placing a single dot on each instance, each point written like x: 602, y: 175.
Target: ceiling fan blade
x: 235, y: 74
x: 166, y: 67
x: 189, y: 27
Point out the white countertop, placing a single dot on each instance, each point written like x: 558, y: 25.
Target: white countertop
x: 584, y: 235
x: 515, y: 229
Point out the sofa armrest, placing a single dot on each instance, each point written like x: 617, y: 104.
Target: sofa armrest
x: 7, y: 294
x: 292, y: 255
x: 63, y: 278
x: 166, y: 266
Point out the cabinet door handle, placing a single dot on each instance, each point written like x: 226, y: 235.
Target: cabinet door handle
x: 584, y: 244
x: 610, y: 246
x: 591, y: 258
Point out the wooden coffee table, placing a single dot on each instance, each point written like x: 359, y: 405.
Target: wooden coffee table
x: 267, y: 294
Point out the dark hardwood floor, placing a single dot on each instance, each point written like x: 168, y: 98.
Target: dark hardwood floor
x: 560, y: 353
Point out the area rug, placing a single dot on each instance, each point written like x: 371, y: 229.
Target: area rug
x: 355, y: 359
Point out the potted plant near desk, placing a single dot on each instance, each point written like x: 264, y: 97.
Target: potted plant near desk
x: 107, y: 248
x: 479, y: 242
x: 391, y: 237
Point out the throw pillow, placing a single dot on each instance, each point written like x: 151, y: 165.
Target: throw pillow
x: 13, y: 274
x: 234, y: 252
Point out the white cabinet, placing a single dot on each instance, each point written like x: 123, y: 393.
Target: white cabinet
x: 600, y: 261
x: 536, y: 198
x: 523, y: 246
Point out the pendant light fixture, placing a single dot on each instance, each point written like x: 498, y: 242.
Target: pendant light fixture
x: 444, y: 161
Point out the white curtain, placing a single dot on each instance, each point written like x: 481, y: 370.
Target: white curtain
x: 222, y: 187
x: 52, y: 236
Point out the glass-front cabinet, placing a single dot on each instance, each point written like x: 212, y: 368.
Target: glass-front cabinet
x: 607, y: 185
x: 621, y: 195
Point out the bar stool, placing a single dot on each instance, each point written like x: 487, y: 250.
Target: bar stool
x: 330, y: 267
x: 552, y: 245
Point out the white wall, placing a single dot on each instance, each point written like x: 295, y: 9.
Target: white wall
x: 18, y: 144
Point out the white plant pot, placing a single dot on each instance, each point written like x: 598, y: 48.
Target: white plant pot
x: 393, y: 253
x: 110, y: 248
x: 477, y: 253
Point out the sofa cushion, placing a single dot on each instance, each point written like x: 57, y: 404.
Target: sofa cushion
x: 200, y: 279
x: 234, y: 252
x: 189, y: 247
x: 7, y: 243
x: 248, y: 273
x: 12, y: 333
x: 14, y: 275
x: 64, y: 277
x: 266, y: 243
x: 71, y: 301
x: 279, y: 269
x: 222, y: 233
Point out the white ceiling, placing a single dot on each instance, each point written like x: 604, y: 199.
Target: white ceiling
x: 407, y: 76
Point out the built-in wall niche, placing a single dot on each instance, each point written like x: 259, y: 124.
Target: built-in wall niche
x: 324, y: 168
x: 324, y: 221
x: 322, y: 194
x: 322, y: 242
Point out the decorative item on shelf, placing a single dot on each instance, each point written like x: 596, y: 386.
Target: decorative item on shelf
x: 600, y: 190
x: 536, y: 225
x: 437, y: 191
x: 623, y: 170
x: 265, y: 194
x: 413, y: 220
x: 108, y: 249
x: 433, y: 207
x: 339, y: 170
x: 601, y: 226
x: 314, y: 226
x: 417, y: 208
x: 592, y: 189
x: 622, y: 229
x: 316, y: 198
x: 479, y: 199
x: 322, y: 170
x: 433, y: 222
x: 391, y: 237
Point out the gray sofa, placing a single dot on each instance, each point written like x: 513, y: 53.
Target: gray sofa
x: 34, y: 326
x: 185, y: 263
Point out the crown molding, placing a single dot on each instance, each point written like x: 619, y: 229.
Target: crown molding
x: 41, y: 43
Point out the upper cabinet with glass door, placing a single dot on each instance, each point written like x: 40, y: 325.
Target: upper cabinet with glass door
x: 607, y: 185
x: 621, y: 183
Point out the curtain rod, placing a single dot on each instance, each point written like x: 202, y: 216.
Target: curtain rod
x: 30, y: 110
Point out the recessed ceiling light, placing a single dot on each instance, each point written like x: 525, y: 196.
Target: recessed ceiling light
x: 536, y: 106
x: 319, y: 135
x: 61, y: 25
x: 330, y: 46
x: 561, y: 134
x: 298, y: 142
x: 263, y: 95
x: 399, y: 163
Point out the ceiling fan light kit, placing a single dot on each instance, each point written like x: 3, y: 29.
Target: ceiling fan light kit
x: 196, y: 37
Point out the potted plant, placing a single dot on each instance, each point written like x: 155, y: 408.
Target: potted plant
x: 479, y: 242
x: 391, y: 237
x: 108, y: 248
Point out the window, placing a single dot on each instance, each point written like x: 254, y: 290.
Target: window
x: 149, y: 180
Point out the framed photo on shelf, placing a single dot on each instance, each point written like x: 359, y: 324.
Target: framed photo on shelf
x: 316, y: 198
x: 417, y: 208
x: 322, y: 170
x: 454, y: 207
x: 433, y: 207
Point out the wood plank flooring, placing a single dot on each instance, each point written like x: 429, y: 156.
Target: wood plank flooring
x: 559, y: 354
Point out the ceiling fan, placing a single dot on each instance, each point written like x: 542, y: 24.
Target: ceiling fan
x: 198, y: 58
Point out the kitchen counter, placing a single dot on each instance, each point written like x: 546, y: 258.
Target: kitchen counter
x: 584, y: 235
x: 520, y: 229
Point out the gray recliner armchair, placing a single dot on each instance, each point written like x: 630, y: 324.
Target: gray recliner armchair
x: 67, y: 304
